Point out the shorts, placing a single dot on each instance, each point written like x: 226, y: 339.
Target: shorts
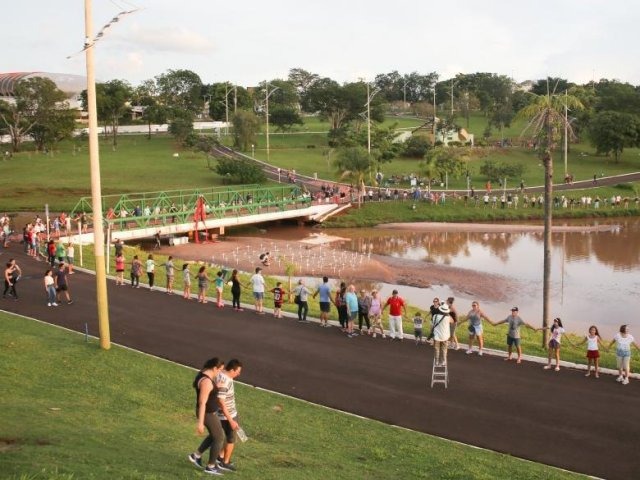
x: 475, y: 330
x: 258, y: 295
x: 554, y: 344
x: 513, y: 342
x: 593, y: 353
x: 219, y: 289
x: 353, y: 316
x: 417, y: 332
x: 277, y: 304
x: 62, y: 288
x: 119, y: 270
x: 229, y: 434
x: 623, y: 362
x: 325, y: 307
x: 70, y: 260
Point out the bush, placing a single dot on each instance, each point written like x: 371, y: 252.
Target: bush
x: 416, y: 146
x: 239, y: 170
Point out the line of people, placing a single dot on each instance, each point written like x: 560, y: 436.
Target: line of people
x: 368, y: 310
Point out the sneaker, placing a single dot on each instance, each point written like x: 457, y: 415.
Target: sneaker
x: 213, y: 470
x: 48, y: 304
x: 587, y: 374
x: 620, y: 378
x: 374, y: 335
x: 469, y: 351
x: 480, y: 353
x: 69, y: 302
x: 557, y: 369
x: 547, y: 367
x: 625, y: 381
x: 229, y: 467
x: 54, y: 304
x: 197, y: 461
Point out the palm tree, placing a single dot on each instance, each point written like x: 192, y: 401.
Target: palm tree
x: 354, y: 163
x: 546, y: 120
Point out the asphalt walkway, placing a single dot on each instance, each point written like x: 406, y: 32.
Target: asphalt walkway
x: 555, y: 418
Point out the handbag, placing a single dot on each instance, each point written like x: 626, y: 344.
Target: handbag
x: 297, y: 300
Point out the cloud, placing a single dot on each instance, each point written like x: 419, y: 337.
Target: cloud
x: 165, y: 39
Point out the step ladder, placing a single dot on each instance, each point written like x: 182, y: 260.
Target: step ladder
x: 439, y: 373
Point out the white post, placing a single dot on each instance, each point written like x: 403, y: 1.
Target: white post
x: 566, y: 132
x: 368, y: 121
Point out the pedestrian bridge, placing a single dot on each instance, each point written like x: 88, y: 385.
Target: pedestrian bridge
x: 179, y: 212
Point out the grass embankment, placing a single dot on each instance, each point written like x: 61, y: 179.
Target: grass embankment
x: 455, y: 210
x: 30, y: 180
x: 495, y: 338
x: 71, y: 411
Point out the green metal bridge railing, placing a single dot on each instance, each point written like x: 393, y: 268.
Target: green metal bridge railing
x: 178, y: 206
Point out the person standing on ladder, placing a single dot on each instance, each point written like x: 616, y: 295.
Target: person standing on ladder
x: 441, y: 325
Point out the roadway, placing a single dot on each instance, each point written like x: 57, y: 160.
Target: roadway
x: 554, y: 418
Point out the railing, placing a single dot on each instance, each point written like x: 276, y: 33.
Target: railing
x: 149, y: 209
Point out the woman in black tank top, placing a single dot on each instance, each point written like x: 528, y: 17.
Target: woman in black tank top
x: 206, y: 412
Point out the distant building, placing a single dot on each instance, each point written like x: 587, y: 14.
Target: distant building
x: 71, y: 85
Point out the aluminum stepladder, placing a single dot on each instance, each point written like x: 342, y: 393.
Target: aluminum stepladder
x: 439, y: 373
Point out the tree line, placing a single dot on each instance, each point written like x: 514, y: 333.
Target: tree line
x: 609, y: 116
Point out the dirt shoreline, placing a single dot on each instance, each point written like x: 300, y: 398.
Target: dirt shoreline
x: 315, y: 259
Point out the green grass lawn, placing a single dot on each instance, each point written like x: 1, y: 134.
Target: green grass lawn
x: 28, y: 180
x: 69, y: 410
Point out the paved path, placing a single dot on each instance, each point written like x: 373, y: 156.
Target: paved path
x: 555, y: 418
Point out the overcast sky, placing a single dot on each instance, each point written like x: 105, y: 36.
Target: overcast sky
x: 248, y: 41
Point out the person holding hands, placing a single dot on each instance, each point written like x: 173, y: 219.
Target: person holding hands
x: 623, y: 342
x: 513, y: 335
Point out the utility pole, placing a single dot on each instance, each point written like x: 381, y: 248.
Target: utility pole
x: 370, y: 96
x: 96, y: 193
x: 434, y: 113
x: 566, y: 132
x: 267, y: 95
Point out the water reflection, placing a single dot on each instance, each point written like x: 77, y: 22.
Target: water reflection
x: 594, y: 274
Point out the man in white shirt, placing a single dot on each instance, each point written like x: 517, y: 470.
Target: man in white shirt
x: 257, y: 281
x: 228, y: 413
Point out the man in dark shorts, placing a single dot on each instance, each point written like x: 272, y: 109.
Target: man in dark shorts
x: 513, y: 335
x: 62, y: 283
x: 325, y: 301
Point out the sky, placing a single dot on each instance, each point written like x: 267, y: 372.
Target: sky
x: 246, y: 42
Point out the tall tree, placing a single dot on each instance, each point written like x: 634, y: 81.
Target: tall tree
x: 181, y: 124
x: 546, y: 120
x: 611, y: 132
x: 37, y: 101
x: 284, y: 118
x: 616, y: 96
x: 302, y: 80
x: 180, y: 89
x: 246, y: 126
x: 113, y: 102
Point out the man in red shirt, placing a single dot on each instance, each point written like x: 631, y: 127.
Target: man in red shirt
x: 397, y: 308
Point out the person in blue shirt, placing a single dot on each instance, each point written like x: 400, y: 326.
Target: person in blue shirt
x: 324, y: 291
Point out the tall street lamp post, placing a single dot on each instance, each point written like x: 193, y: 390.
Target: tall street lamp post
x: 96, y: 193
x: 268, y: 93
